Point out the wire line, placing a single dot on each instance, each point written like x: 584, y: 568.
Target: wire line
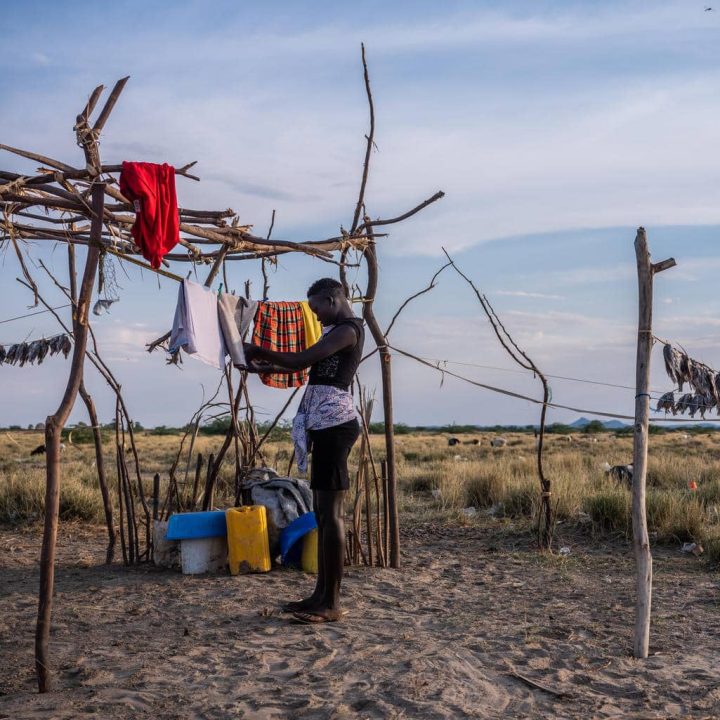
x: 525, y: 372
x: 520, y: 396
x: 38, y: 312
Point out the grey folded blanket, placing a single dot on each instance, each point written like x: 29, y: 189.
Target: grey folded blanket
x: 286, y: 498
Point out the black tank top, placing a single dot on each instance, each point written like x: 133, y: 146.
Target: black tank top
x: 339, y: 368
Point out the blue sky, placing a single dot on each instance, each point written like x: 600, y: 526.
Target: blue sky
x: 554, y: 128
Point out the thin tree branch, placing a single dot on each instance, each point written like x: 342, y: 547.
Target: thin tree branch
x: 266, y: 282
x: 368, y: 148
x: 490, y: 314
x: 412, y: 297
x: 375, y: 223
x: 545, y: 534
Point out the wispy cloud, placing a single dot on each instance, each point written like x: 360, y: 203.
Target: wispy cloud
x: 592, y: 275
x: 39, y: 59
x: 533, y: 117
x: 547, y: 142
x: 523, y: 294
x: 246, y: 187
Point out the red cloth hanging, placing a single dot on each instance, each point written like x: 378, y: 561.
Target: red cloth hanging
x: 151, y: 189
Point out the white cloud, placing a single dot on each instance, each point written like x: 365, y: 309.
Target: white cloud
x: 692, y: 269
x: 40, y: 59
x: 523, y: 294
x: 588, y: 275
x: 575, y: 152
x: 531, y: 119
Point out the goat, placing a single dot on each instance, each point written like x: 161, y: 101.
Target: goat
x: 498, y: 442
x: 621, y: 474
x: 40, y: 449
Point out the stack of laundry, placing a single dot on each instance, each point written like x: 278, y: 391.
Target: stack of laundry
x: 286, y: 499
x: 35, y: 351
x: 211, y: 325
x: 703, y: 381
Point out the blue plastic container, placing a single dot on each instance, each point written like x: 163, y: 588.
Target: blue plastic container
x: 196, y: 525
x: 291, y: 536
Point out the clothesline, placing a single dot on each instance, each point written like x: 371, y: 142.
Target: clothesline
x: 558, y: 406
x: 210, y: 325
x: 526, y: 372
x: 37, y: 312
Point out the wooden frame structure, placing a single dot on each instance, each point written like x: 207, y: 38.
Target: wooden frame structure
x: 82, y: 206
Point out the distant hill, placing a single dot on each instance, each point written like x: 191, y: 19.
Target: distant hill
x: 608, y: 424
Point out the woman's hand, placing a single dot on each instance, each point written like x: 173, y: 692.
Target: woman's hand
x: 251, y: 352
x: 258, y: 366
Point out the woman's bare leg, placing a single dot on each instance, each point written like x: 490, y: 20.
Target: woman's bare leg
x: 314, y: 601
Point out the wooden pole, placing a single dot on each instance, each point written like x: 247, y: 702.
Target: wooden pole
x: 129, y: 509
x: 209, y: 481
x: 121, y: 502
x: 95, y: 425
x: 196, y: 483
x: 545, y: 517
x: 386, y: 515
x: 102, y: 478
x: 386, y: 377
x: 53, y: 430
x: 368, y: 513
x: 641, y: 541
x: 356, y: 517
x: 156, y: 496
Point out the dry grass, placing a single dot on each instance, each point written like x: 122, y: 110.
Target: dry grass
x: 434, y: 477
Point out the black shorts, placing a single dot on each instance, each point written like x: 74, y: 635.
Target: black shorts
x: 330, y: 449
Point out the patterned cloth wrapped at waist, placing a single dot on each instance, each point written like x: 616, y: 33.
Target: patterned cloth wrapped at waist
x: 322, y: 406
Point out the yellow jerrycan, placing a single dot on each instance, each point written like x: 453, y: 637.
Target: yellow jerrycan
x: 310, y: 552
x: 247, y: 537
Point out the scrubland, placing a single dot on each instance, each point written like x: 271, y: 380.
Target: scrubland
x: 436, y: 481
x: 475, y: 622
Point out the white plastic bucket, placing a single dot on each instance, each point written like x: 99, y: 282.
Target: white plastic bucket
x: 203, y: 555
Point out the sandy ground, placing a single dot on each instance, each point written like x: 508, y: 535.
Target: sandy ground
x: 445, y: 637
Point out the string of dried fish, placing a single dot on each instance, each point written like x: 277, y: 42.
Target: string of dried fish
x: 672, y: 364
x: 35, y: 351
x: 703, y: 381
x: 666, y: 403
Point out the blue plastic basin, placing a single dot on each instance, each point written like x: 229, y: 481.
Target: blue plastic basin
x: 195, y: 525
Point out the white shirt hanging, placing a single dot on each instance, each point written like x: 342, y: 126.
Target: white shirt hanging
x: 196, y: 327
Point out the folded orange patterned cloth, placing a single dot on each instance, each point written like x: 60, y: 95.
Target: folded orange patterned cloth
x: 280, y: 326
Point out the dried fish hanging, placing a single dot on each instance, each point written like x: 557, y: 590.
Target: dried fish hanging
x: 35, y: 351
x: 703, y: 381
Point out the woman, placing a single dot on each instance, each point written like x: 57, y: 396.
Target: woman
x: 326, y: 424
